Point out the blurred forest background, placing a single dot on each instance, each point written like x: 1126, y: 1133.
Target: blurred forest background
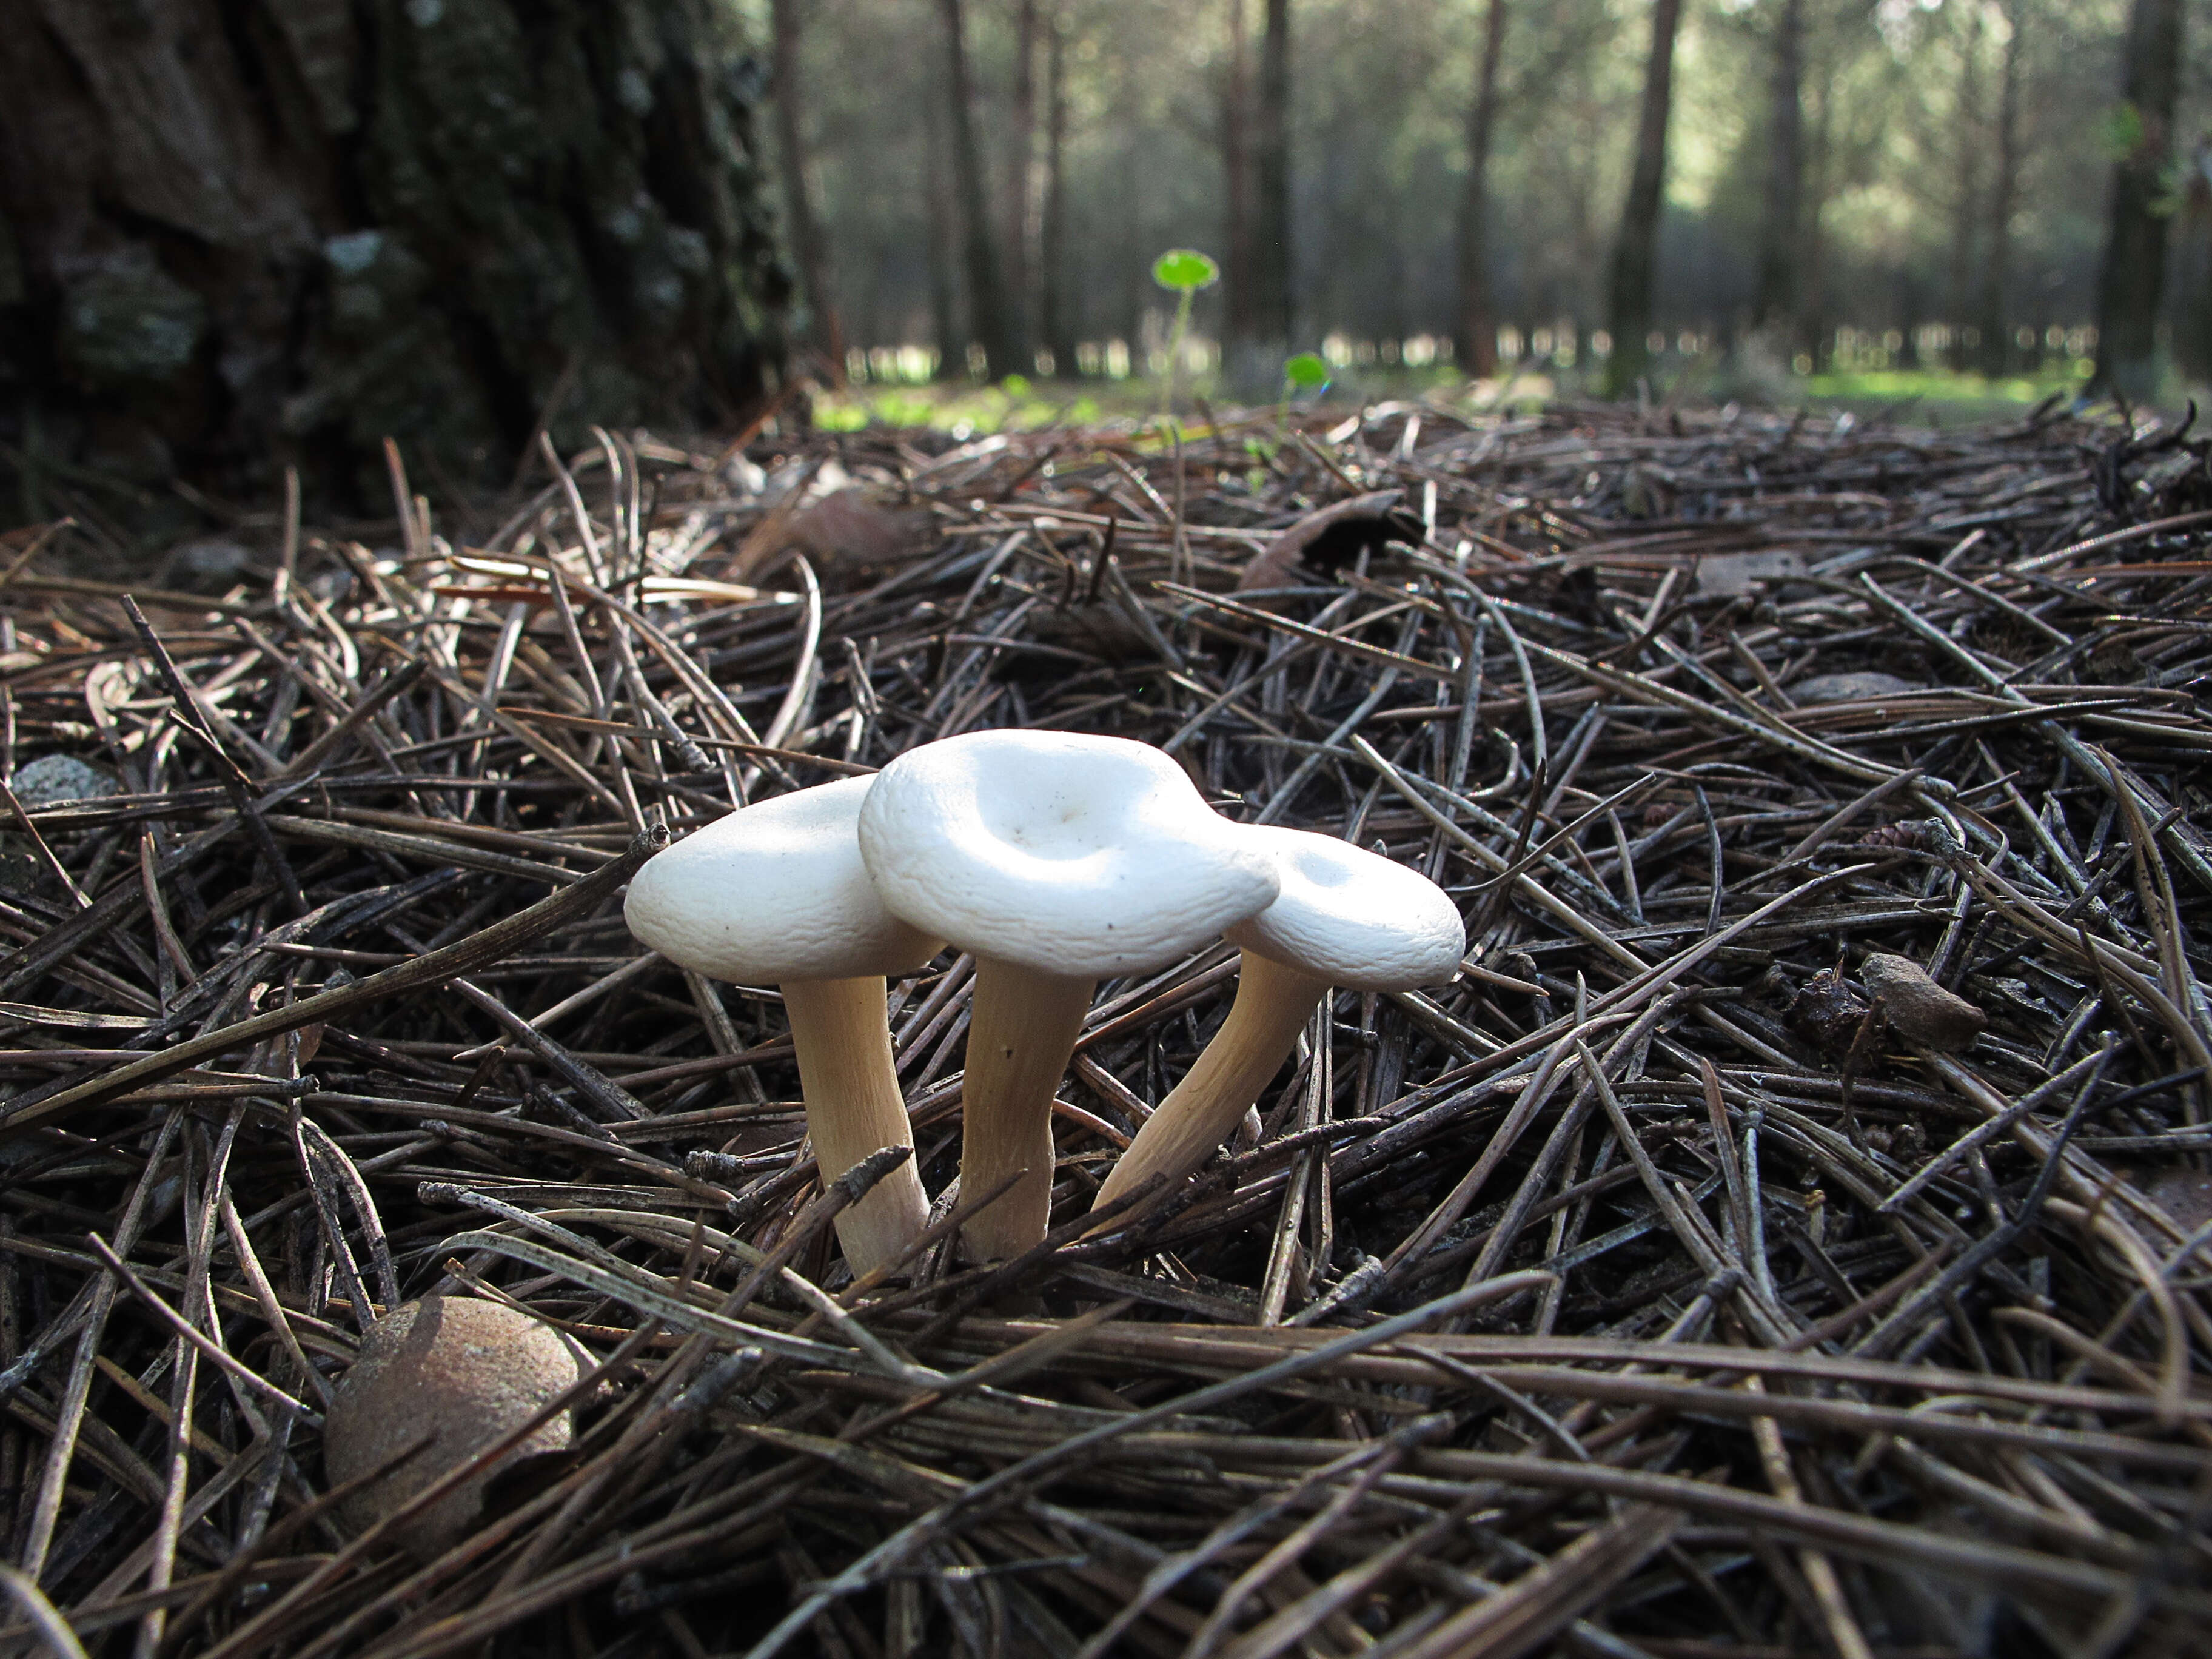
x: 1851, y: 189
x: 242, y: 236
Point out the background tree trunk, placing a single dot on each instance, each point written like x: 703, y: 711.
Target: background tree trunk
x: 2133, y: 274
x: 947, y: 318
x: 1021, y: 166
x: 809, y: 246
x: 1966, y: 195
x: 1477, y: 325
x: 257, y: 235
x: 1270, y: 320
x: 1237, y: 182
x: 1636, y: 252
x: 1055, y: 309
x: 989, y: 321
x: 2194, y: 345
x: 1815, y: 331
x: 1780, y: 232
x: 2004, y: 192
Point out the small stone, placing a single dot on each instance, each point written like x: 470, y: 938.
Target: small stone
x: 1735, y: 574
x: 211, y: 565
x: 1917, y: 1008
x: 53, y: 779
x: 464, y: 1372
x: 1850, y: 688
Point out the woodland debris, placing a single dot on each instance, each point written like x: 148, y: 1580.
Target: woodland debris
x: 1917, y: 1007
x: 1492, y: 1262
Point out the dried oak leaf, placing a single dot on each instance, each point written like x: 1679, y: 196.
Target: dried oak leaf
x: 1328, y: 540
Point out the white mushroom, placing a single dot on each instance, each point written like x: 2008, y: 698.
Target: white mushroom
x: 1344, y: 917
x: 776, y: 893
x: 1058, y: 860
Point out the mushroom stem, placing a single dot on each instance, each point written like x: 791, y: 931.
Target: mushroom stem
x: 854, y: 1107
x: 1020, y: 1035
x: 1273, y: 1005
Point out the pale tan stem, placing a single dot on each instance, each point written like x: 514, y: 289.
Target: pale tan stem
x: 854, y: 1108
x: 1273, y: 1005
x: 1020, y: 1035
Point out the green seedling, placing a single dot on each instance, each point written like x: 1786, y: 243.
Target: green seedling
x: 1306, y: 372
x: 1183, y: 271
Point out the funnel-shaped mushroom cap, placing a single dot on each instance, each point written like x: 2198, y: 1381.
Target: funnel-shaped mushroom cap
x: 1353, y: 917
x: 775, y: 892
x: 1085, y: 856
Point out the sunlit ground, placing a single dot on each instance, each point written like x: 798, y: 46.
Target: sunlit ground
x: 1910, y: 397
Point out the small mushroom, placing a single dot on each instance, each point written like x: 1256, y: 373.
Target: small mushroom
x: 1344, y: 917
x: 776, y: 894
x: 1918, y: 1009
x: 466, y: 1372
x: 1058, y: 860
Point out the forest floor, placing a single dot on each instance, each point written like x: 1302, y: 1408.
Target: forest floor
x: 1787, y: 1234
x: 1901, y: 397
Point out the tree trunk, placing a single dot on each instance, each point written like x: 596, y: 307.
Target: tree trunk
x: 809, y: 245
x: 989, y: 320
x: 2134, y: 269
x: 1813, y: 327
x: 2004, y: 190
x: 251, y: 235
x: 1237, y: 183
x: 1780, y: 233
x: 1131, y: 269
x: 1478, y: 326
x: 2195, y: 344
x: 1636, y: 252
x: 1055, y: 315
x: 946, y: 315
x: 1021, y: 166
x: 1270, y: 321
x: 1967, y: 190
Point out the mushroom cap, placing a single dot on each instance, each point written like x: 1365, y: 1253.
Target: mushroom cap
x: 774, y: 891
x: 465, y: 1371
x: 1353, y: 917
x: 1073, y: 855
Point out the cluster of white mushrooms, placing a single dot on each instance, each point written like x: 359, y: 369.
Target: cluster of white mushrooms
x: 1056, y: 860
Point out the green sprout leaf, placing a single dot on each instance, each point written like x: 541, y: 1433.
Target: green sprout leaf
x: 1306, y: 371
x: 1185, y: 271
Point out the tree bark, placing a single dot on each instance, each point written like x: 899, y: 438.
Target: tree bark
x: 1237, y: 182
x: 2195, y: 344
x: 809, y: 245
x: 1055, y: 315
x: 1477, y: 325
x: 1813, y: 324
x: 1782, y: 231
x: 2133, y: 274
x: 1270, y: 320
x: 2004, y: 192
x: 254, y: 235
x: 1021, y: 166
x: 1636, y: 251
x: 990, y: 322
x: 947, y: 319
x: 1966, y: 192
